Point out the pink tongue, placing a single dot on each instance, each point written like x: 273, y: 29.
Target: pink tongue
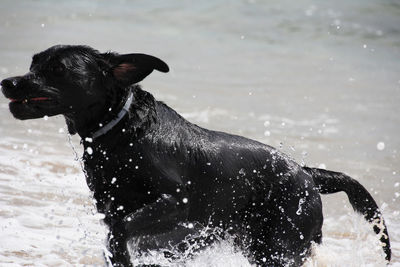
x: 39, y: 98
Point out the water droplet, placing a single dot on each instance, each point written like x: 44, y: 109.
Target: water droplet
x: 46, y: 117
x: 300, y: 208
x: 267, y: 133
x: 322, y: 166
x: 380, y: 146
x: 89, y: 150
x: 113, y: 180
x: 185, y: 200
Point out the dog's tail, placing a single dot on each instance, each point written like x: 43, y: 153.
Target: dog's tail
x: 328, y: 182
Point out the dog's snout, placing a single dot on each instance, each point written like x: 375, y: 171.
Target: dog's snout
x: 9, y: 83
x: 13, y: 84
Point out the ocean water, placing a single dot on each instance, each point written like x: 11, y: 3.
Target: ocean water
x: 319, y: 80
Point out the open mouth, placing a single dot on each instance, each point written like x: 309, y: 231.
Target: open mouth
x: 24, y: 108
x: 27, y: 100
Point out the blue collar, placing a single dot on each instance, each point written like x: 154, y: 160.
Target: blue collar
x: 106, y: 128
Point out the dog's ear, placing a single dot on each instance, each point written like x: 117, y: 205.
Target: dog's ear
x: 132, y: 68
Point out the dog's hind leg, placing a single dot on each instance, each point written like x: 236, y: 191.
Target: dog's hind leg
x: 280, y: 229
x: 279, y: 244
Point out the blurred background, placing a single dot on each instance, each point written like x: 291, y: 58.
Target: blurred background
x: 320, y: 80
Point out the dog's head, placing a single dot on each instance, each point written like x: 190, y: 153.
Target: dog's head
x: 73, y: 79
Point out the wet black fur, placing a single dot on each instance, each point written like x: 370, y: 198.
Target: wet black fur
x: 154, y: 171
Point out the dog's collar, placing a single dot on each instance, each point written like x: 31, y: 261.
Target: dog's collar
x: 106, y: 128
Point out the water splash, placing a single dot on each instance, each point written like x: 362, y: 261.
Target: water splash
x: 76, y: 156
x: 222, y: 253
x: 300, y: 209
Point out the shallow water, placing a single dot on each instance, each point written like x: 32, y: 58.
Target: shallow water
x: 320, y: 80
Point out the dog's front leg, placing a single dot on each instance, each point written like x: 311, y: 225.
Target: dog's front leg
x: 117, y: 245
x: 159, y: 216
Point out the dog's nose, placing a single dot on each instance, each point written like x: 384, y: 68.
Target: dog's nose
x: 9, y: 83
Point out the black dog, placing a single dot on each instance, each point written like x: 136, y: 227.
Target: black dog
x: 154, y: 174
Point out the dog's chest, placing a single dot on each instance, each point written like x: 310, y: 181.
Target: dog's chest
x: 118, y: 179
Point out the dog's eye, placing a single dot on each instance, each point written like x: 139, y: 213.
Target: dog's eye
x: 57, y: 69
